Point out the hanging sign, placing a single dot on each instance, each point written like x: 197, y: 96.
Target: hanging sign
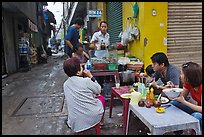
x: 95, y: 13
x: 32, y: 26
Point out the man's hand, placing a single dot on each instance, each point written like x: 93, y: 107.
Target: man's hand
x: 170, y: 84
x: 154, y: 83
x: 91, y: 47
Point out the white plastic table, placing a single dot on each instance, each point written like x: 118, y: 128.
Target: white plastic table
x: 159, y: 123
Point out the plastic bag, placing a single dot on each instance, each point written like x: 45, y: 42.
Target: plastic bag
x: 129, y: 30
x: 124, y: 38
x: 123, y: 60
x: 120, y: 35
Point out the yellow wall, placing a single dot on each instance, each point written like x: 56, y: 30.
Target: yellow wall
x: 149, y: 27
x: 136, y: 48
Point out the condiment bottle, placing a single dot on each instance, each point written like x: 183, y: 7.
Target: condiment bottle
x: 103, y: 45
x: 151, y: 95
x: 147, y: 95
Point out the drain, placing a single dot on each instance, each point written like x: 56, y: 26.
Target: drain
x: 39, y: 105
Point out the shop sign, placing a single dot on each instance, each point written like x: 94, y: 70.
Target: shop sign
x: 32, y: 26
x: 95, y: 13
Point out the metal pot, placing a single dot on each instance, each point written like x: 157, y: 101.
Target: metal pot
x: 127, y: 76
x: 122, y: 67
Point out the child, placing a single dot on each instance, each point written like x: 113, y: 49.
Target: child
x: 150, y: 72
x: 80, y: 54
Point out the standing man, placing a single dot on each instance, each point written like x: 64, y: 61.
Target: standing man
x: 100, y: 36
x: 72, y: 37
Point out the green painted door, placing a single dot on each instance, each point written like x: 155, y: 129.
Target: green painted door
x: 114, y: 20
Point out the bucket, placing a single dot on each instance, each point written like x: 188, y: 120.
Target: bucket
x: 107, y: 89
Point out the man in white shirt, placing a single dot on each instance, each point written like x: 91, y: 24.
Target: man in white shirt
x: 100, y: 36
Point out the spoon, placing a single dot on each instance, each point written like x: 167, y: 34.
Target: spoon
x: 159, y: 97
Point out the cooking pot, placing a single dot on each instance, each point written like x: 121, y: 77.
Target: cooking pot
x: 127, y: 76
x: 122, y: 67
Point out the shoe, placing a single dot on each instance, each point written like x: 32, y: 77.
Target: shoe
x: 179, y: 132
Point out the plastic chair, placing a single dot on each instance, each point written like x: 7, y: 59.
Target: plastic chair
x: 97, y: 128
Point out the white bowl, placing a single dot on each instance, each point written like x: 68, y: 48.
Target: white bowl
x: 172, y: 92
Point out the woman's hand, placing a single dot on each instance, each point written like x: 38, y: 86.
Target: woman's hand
x: 180, y: 99
x: 88, y: 73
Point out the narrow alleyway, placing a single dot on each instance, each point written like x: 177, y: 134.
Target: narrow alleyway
x: 33, y: 104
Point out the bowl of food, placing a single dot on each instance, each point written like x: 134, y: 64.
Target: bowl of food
x: 172, y: 92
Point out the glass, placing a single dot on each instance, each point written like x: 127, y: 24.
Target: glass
x: 117, y: 85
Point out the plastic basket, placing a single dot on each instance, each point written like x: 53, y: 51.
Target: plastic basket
x: 112, y: 66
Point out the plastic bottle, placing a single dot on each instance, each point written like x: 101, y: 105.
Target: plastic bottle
x: 147, y: 95
x: 88, y: 65
x: 151, y: 95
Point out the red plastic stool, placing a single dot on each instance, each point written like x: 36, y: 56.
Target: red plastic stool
x: 97, y: 127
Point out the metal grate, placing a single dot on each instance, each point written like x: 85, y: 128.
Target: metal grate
x: 114, y: 20
x: 184, y: 32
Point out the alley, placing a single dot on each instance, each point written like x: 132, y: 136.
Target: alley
x: 33, y: 102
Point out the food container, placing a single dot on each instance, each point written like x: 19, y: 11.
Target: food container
x: 102, y: 66
x: 172, y: 92
x: 127, y: 76
x: 112, y: 66
x: 135, y: 66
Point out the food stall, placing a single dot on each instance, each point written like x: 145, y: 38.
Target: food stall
x: 104, y: 63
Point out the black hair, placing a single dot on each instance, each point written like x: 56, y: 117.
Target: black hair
x: 149, y: 70
x: 80, y: 45
x: 160, y: 58
x: 192, y: 73
x: 103, y: 22
x: 79, y: 21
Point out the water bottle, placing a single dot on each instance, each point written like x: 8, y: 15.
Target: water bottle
x: 88, y: 65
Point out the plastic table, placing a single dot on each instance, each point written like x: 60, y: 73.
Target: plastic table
x: 116, y: 92
x: 159, y: 123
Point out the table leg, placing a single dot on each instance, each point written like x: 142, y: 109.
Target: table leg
x: 125, y: 114
x: 197, y: 130
x: 111, y: 104
x: 128, y: 117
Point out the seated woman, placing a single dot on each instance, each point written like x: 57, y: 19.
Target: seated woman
x: 85, y: 105
x: 80, y: 54
x: 191, y: 76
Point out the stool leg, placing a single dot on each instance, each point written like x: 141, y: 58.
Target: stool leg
x: 98, y: 129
